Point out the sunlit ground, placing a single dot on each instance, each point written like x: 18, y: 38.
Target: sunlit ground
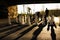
x: 56, y: 19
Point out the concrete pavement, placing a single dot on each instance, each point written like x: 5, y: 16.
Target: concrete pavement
x: 26, y: 33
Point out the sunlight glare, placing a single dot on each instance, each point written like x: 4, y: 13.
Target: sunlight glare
x: 38, y: 7
x: 56, y: 19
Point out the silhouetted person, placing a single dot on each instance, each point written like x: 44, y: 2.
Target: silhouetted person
x: 51, y: 24
x: 47, y: 12
x: 53, y: 35
x: 42, y: 24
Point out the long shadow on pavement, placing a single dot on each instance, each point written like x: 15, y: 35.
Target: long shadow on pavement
x: 14, y: 30
x: 53, y: 34
x: 26, y: 31
x: 5, y: 25
x: 38, y: 31
x: 8, y: 28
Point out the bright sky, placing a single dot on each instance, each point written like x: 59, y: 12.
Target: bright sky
x: 38, y: 7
